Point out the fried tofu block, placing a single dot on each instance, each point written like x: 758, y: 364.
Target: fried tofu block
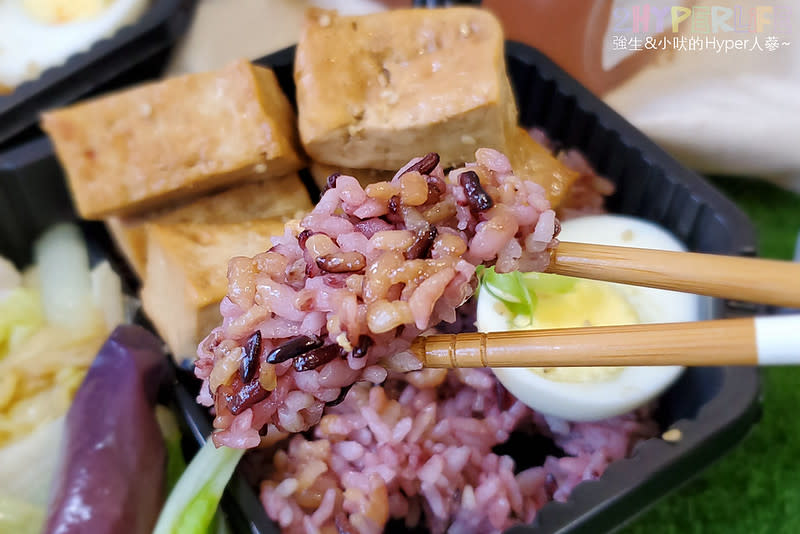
x: 284, y: 197
x: 321, y: 171
x: 186, y: 276
x: 531, y: 161
x: 174, y: 139
x: 377, y: 90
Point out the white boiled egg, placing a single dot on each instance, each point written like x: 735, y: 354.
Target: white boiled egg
x: 593, y: 393
x: 38, y: 34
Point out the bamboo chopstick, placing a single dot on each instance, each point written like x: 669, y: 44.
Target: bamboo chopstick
x: 750, y: 341
x: 749, y: 279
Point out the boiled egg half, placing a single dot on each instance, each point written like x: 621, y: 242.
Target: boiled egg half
x: 552, y: 301
x: 38, y: 34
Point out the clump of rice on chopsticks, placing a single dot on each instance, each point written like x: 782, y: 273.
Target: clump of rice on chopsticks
x: 339, y: 298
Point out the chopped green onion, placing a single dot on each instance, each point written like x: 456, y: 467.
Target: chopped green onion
x: 193, y: 502
x: 511, y: 290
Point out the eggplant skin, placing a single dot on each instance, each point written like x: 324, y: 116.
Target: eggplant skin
x: 111, y: 476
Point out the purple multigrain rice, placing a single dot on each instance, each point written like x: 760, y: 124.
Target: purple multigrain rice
x: 357, y: 473
x: 391, y: 301
x: 587, y: 195
x: 424, y: 454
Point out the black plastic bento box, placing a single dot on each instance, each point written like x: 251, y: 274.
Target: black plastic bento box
x: 135, y: 52
x: 712, y: 407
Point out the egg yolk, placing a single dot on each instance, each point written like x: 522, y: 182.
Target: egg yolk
x: 587, y: 303
x: 64, y: 11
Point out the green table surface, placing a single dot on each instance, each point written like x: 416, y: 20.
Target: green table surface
x: 756, y: 488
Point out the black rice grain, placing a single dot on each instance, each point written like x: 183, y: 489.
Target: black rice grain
x: 294, y: 348
x: 317, y: 357
x: 252, y: 352
x: 426, y: 164
x: 479, y: 200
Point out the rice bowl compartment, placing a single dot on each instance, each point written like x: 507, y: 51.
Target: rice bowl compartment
x: 712, y: 408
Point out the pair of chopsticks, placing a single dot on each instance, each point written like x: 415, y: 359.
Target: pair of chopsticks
x: 745, y: 341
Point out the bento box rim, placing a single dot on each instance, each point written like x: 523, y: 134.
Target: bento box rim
x: 84, y: 71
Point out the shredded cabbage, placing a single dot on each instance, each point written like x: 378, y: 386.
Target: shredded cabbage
x: 20, y: 517
x: 9, y: 277
x: 53, y: 320
x: 27, y: 466
x: 63, y: 262
x: 21, y: 315
x: 107, y: 294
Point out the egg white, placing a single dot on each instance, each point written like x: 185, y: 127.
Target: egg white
x: 633, y: 386
x: 29, y: 46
